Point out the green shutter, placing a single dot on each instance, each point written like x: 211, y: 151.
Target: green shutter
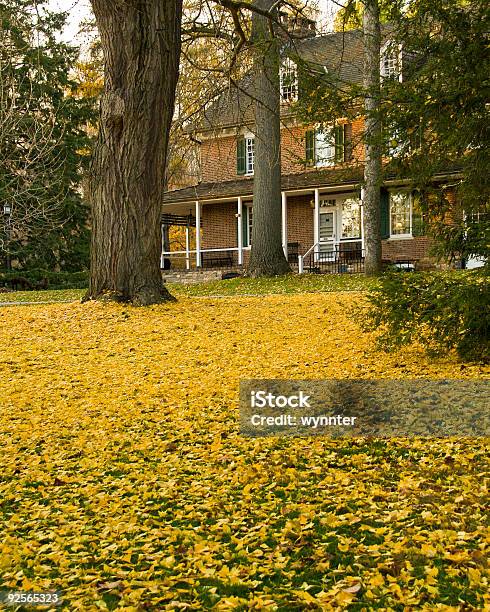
x: 310, y: 147
x: 245, y: 226
x: 241, y: 156
x: 348, y: 142
x: 418, y: 228
x: 385, y: 213
x: 339, y: 143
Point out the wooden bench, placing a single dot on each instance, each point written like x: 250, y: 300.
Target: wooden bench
x: 217, y: 260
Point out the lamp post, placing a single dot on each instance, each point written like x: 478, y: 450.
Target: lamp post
x: 7, y: 213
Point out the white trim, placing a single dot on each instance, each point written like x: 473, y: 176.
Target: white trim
x: 198, y: 234
x: 249, y: 155
x: 284, y: 223
x: 316, y: 220
x: 240, y: 230
x: 406, y: 235
x: 187, y: 248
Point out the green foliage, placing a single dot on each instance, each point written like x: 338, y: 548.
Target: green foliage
x: 441, y: 311
x: 55, y: 280
x: 440, y: 114
x: 44, y: 144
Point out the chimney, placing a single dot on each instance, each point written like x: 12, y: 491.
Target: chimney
x: 297, y: 25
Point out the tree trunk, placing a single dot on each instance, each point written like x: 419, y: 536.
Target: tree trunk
x: 372, y: 167
x: 267, y: 255
x: 141, y: 44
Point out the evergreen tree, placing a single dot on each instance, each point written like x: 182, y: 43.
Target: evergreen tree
x: 44, y: 143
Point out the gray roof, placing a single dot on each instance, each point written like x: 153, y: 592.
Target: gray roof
x: 244, y: 186
x: 340, y: 54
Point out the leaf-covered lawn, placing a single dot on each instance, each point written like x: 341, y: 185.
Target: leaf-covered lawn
x: 125, y: 484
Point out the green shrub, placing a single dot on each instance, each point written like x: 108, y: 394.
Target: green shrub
x: 56, y: 280
x: 441, y: 311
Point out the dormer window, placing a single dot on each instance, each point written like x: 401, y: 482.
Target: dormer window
x: 288, y: 81
x: 391, y: 60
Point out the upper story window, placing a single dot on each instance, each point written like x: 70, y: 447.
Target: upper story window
x: 288, y: 79
x: 390, y: 61
x: 328, y: 147
x: 245, y: 154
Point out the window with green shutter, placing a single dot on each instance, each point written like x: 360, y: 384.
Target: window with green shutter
x: 339, y: 143
x: 418, y: 223
x: 241, y: 155
x: 385, y: 213
x: 348, y: 142
x: 310, y: 147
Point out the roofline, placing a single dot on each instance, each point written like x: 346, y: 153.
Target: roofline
x: 348, y: 185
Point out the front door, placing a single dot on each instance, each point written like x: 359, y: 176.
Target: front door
x: 327, y: 233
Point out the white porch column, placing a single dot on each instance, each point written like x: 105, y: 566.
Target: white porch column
x: 187, y: 248
x: 316, y: 221
x: 162, y: 263
x: 198, y: 234
x: 284, y: 226
x: 362, y: 219
x: 239, y: 220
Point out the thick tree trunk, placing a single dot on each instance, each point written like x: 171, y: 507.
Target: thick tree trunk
x: 141, y: 44
x: 372, y: 167
x: 267, y: 255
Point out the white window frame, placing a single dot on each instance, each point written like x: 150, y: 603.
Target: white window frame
x: 410, y: 201
x: 288, y: 81
x: 342, y: 200
x: 328, y: 139
x: 390, y: 53
x: 249, y: 154
x: 248, y: 226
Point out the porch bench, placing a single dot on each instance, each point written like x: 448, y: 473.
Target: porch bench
x: 217, y: 260
x: 293, y: 252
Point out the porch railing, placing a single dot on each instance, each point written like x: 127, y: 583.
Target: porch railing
x: 202, y: 259
x: 333, y: 257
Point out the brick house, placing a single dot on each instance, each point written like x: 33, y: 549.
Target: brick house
x: 322, y: 174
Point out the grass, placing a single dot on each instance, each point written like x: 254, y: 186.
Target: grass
x: 126, y: 484
x: 290, y: 284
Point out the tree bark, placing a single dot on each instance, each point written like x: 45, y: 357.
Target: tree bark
x: 267, y: 256
x: 141, y: 44
x: 372, y: 166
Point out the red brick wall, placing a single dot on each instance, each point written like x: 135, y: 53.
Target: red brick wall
x: 300, y: 221
x: 219, y: 225
x: 218, y: 155
x: 410, y: 248
x: 219, y: 230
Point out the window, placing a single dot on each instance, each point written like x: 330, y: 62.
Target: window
x: 390, y: 63
x: 288, y: 79
x: 394, y: 143
x: 351, y: 218
x: 245, y: 151
x: 250, y: 153
x: 327, y: 148
x: 247, y: 225
x: 400, y: 214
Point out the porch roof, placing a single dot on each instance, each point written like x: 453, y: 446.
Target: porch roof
x: 343, y: 178
x: 244, y: 187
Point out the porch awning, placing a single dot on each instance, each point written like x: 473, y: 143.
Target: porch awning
x: 309, y: 180
x: 244, y: 187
